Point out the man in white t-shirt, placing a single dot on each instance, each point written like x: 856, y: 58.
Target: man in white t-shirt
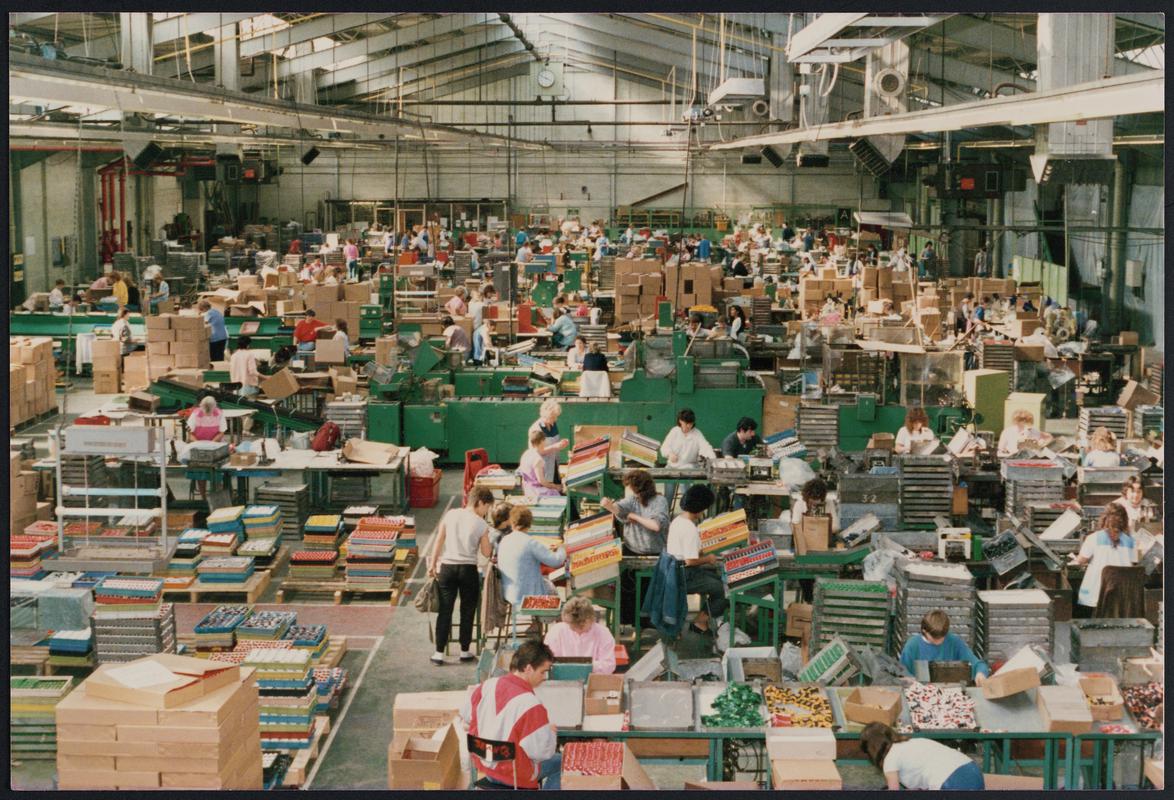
x: 462, y: 533
x: 684, y: 544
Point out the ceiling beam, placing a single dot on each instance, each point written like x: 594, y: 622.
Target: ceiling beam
x: 1130, y: 94
x: 656, y: 44
x: 520, y: 66
x: 365, y: 74
x: 424, y: 75
x: 429, y: 28
x: 32, y: 78
x: 18, y: 18
x: 812, y: 36
x: 190, y: 24
x: 325, y: 25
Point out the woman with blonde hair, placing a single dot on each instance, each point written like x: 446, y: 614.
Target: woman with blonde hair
x: 547, y: 423
x: 1102, y: 450
x: 1022, y: 429
x: 580, y: 635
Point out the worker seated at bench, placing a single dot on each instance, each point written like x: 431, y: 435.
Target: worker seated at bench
x: 701, y: 573
x: 306, y: 331
x: 936, y: 643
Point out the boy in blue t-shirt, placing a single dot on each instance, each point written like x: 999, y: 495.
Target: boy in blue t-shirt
x: 936, y: 643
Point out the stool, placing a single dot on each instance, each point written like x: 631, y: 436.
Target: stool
x: 770, y: 601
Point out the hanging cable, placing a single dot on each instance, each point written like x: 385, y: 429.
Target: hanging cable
x: 835, y: 74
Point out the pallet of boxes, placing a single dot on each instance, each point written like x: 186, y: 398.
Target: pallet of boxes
x: 32, y: 378
x: 174, y: 341
x: 639, y: 282
x: 691, y: 285
x: 332, y: 303
x: 161, y: 722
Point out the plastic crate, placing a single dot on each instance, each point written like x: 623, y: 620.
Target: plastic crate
x: 424, y: 492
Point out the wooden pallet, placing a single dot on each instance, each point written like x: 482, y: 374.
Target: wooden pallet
x: 251, y: 590
x: 35, y: 657
x: 334, y: 652
x: 34, y: 420
x: 338, y: 588
x: 295, y: 775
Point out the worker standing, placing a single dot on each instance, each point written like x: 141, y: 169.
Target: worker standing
x: 351, y: 253
x: 207, y: 423
x: 217, y: 331
x: 461, y: 535
x: 242, y: 368
x: 1109, y: 546
x: 981, y: 263
x: 547, y: 424
x: 120, y: 330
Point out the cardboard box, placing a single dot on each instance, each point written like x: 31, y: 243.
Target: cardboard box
x: 328, y: 351
x: 191, y: 678
x: 719, y: 786
x: 814, y: 534
x: 415, y: 762
x: 801, y: 744
x: 1023, y: 783
x: 1134, y: 395
x: 882, y: 441
x: 243, y: 459
x: 1064, y: 709
x: 632, y: 776
x: 357, y: 292
x: 362, y: 451
x: 1128, y: 337
x: 787, y: 774
x: 386, y: 350
x: 1005, y: 683
x: 866, y: 704
x: 343, y: 380
x: 1104, y: 698
x: 280, y: 385
x: 422, y: 713
x: 106, y: 351
x: 1029, y: 352
x: 604, y: 694
x: 107, y: 382
x: 161, y: 322
x: 799, y: 619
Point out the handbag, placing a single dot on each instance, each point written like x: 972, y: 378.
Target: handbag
x: 428, y: 598
x: 494, y: 609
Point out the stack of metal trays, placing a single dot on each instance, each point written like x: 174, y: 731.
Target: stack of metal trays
x: 856, y: 611
x: 184, y: 264
x: 1009, y: 619
x: 204, y: 455
x: 819, y: 425
x: 294, y: 502
x: 760, y: 311
x: 725, y: 470
x: 1155, y: 375
x: 605, y: 273
x: 1098, y: 644
x: 348, y: 490
x: 1102, y: 486
x: 594, y: 334
x: 1039, y: 516
x: 349, y: 415
x: 462, y: 265
x: 923, y: 587
x: 875, y: 492
x: 998, y: 354
x: 927, y: 488
x: 117, y: 640
x: 1114, y: 418
x: 1147, y: 418
x: 88, y: 471
x: 1021, y: 494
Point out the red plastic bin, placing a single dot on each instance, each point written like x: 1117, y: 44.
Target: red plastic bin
x: 424, y: 492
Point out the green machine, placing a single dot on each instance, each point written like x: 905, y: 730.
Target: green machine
x: 478, y: 412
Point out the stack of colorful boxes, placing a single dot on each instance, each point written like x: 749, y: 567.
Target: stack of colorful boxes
x: 25, y: 553
x: 32, y: 700
x: 322, y: 531
x: 289, y: 697
x: 265, y: 626
x: 217, y: 630
x: 313, y: 565
x: 225, y: 569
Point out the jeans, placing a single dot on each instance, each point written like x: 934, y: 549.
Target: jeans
x: 249, y: 391
x: 352, y: 269
x: 967, y: 777
x: 705, y: 581
x: 457, y: 579
x: 216, y: 350
x: 305, y: 347
x: 550, y: 775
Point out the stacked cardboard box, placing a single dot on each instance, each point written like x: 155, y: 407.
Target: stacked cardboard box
x: 418, y: 718
x: 32, y: 376
x: 177, y: 341
x: 124, y: 729
x: 22, y: 485
x: 692, y: 285
x: 331, y: 303
x: 639, y: 282
x: 107, y: 355
x: 803, y: 758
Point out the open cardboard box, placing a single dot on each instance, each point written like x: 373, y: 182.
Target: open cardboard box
x: 799, y: 619
x: 604, y: 694
x: 1064, y: 709
x: 362, y: 451
x: 280, y: 385
x: 632, y: 776
x: 425, y: 712
x: 800, y: 744
x: 162, y: 680
x: 1007, y: 682
x: 866, y: 704
x: 1104, y: 698
x: 416, y: 762
x: 805, y: 775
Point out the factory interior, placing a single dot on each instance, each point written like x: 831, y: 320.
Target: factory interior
x: 665, y: 401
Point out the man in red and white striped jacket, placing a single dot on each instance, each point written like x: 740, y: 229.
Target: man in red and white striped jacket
x: 506, y: 709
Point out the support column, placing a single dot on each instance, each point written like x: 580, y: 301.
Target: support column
x: 17, y: 290
x: 226, y: 57
x: 1116, y: 260
x: 138, y: 53
x: 995, y: 240
x: 305, y: 89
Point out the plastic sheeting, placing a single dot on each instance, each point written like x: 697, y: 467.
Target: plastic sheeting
x: 1146, y: 208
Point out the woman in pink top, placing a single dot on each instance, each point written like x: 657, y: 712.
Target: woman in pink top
x: 580, y: 636
x: 456, y: 304
x: 207, y: 423
x: 351, y: 254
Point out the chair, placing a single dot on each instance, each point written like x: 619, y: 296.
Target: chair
x: 492, y: 752
x: 475, y: 461
x: 1122, y: 593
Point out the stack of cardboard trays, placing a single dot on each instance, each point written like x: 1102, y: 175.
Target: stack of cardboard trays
x: 107, y: 355
x: 32, y: 377
x: 163, y: 721
x: 803, y: 758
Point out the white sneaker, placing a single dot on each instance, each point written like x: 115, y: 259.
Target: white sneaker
x: 467, y: 656
x: 437, y: 658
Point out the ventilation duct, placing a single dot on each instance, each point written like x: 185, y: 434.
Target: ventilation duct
x: 886, y: 81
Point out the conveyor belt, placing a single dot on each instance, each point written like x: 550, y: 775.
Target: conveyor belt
x: 174, y: 394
